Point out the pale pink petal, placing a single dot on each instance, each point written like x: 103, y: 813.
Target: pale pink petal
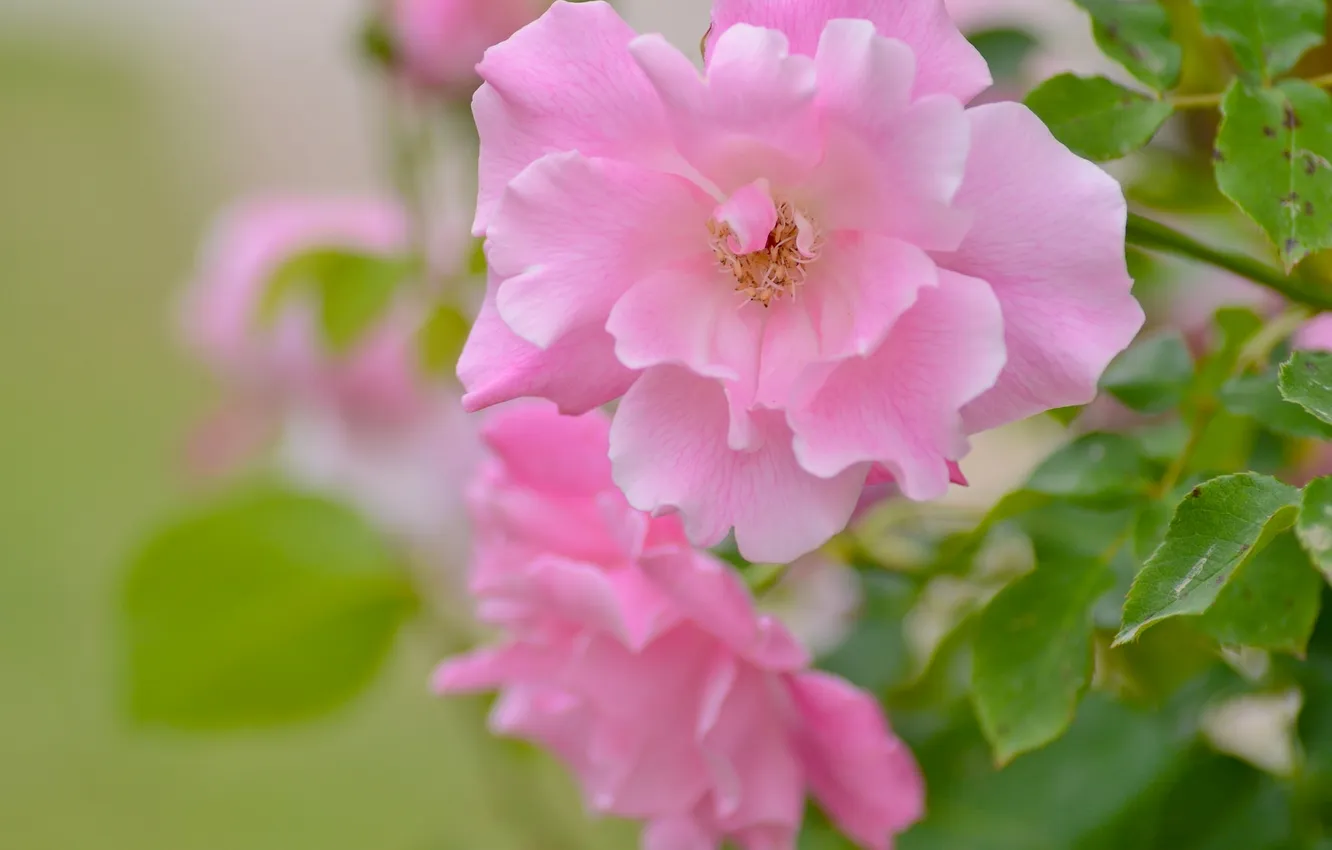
x: 947, y: 62
x: 669, y: 451
x: 679, y: 832
x: 487, y: 669
x: 752, y: 117
x: 1316, y: 335
x: 901, y: 405
x: 860, y: 289
x: 571, y: 234
x: 861, y: 774
x: 542, y: 449
x: 751, y: 215
x: 893, y: 166
x: 691, y: 316
x: 708, y: 592
x: 1048, y: 235
x: 757, y: 777
x: 565, y: 82
x: 578, y: 373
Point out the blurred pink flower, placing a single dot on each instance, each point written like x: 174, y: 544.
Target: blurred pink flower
x: 441, y: 41
x: 366, y: 425
x: 643, y: 665
x: 807, y: 262
x: 1315, y: 335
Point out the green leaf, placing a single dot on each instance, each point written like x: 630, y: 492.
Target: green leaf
x: 352, y: 290
x: 1218, y: 527
x: 265, y: 608
x: 1267, y: 36
x: 440, y: 340
x: 476, y: 258
x: 1306, y: 380
x: 1270, y: 603
x: 1235, y: 326
x: 1273, y: 160
x: 1005, y: 50
x: 1096, y: 118
x: 1032, y: 657
x: 1091, y: 467
x: 1314, y: 526
x: 1062, y: 796
x: 1151, y: 376
x: 875, y: 655
x: 1258, y: 397
x: 1136, y: 34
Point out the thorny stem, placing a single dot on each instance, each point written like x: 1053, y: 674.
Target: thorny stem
x: 1155, y: 236
x: 1213, y: 100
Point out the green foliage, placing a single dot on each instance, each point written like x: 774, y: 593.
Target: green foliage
x: 1267, y: 36
x: 1151, y: 376
x: 1136, y: 34
x: 1314, y: 525
x: 1306, y: 380
x: 1096, y: 118
x: 1005, y: 50
x: 1271, y: 602
x: 1274, y: 160
x: 1218, y: 528
x: 351, y: 290
x: 267, y: 607
x: 1257, y: 397
x: 1033, y: 655
x: 440, y: 340
x: 1096, y: 467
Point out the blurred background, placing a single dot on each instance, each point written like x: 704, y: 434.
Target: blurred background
x: 124, y: 125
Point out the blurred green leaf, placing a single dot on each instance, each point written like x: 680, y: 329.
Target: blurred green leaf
x: 352, y: 290
x: 1314, y: 526
x: 1005, y: 50
x: 1096, y: 118
x: 1267, y: 36
x: 1095, y: 466
x: 875, y: 656
x: 1257, y: 397
x: 1218, y: 527
x: 1032, y: 658
x: 440, y: 340
x: 1306, y: 380
x: 1066, y: 795
x: 1274, y: 161
x: 1152, y: 375
x: 268, y: 607
x: 1235, y: 326
x: 1136, y: 34
x: 476, y: 258
x: 377, y: 43
x: 1271, y: 602
x: 1149, y: 527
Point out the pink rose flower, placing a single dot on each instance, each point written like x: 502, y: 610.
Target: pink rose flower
x: 366, y: 425
x: 810, y: 261
x: 1315, y: 335
x: 643, y: 665
x: 441, y: 41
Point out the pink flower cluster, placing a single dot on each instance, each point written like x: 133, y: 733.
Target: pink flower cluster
x: 365, y: 425
x: 807, y: 268
x: 642, y: 663
x: 441, y: 41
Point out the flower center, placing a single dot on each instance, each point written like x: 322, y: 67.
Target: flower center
x: 778, y: 268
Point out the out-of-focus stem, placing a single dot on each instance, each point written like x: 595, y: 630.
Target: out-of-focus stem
x: 1155, y: 236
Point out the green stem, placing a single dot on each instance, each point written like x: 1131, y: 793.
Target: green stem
x: 1155, y: 236
x: 1213, y: 100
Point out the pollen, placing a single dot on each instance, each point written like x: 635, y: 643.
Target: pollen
x: 776, y: 270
